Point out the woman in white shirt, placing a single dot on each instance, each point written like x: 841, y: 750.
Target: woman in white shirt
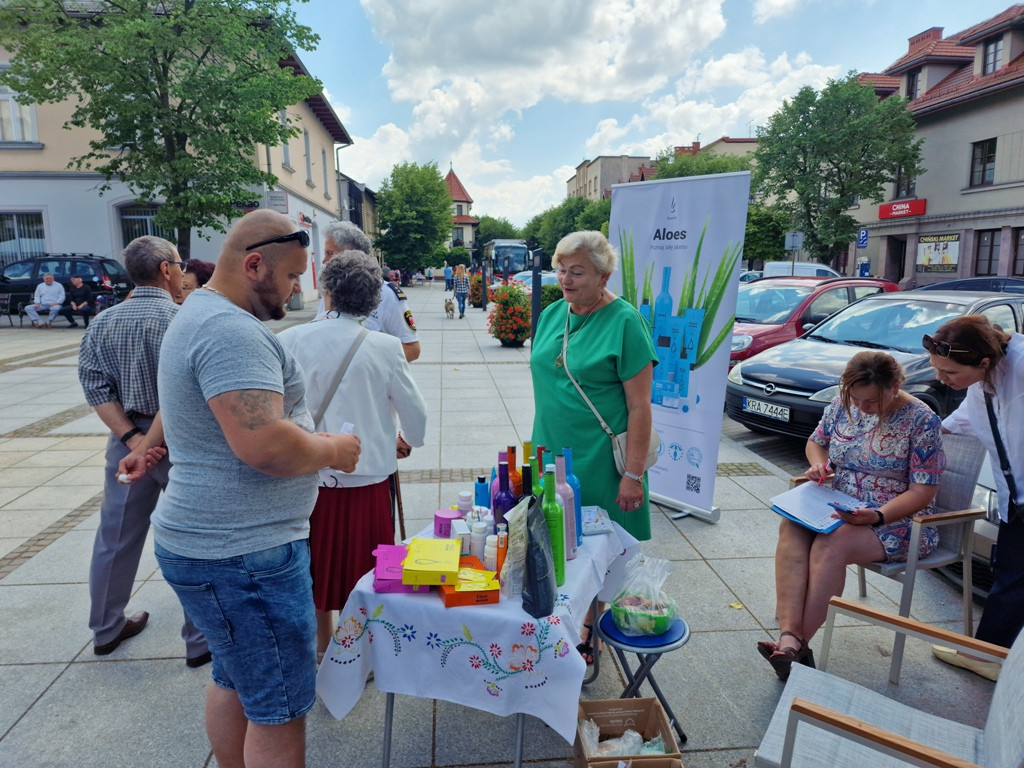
x: 376, y: 394
x: 969, y: 352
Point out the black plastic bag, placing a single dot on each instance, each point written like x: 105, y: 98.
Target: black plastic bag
x: 539, y: 571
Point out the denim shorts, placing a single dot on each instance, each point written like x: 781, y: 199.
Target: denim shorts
x: 256, y: 611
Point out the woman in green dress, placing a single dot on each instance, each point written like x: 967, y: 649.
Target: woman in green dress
x: 607, y: 346
x: 609, y: 351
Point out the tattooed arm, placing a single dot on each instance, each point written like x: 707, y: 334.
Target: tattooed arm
x: 258, y: 433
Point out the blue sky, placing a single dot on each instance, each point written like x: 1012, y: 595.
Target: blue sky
x: 515, y: 94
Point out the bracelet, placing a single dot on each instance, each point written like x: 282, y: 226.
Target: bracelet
x: 881, y: 519
x: 631, y: 476
x: 130, y: 434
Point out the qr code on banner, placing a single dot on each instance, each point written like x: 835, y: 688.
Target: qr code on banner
x: 693, y: 483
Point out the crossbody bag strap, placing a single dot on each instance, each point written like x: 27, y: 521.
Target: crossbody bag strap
x: 339, y: 376
x: 1004, y: 462
x: 565, y: 364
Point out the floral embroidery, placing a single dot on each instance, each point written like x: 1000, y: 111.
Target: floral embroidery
x: 351, y: 630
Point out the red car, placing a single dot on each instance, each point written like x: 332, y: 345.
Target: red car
x: 772, y: 310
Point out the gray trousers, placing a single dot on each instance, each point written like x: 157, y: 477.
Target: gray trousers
x: 124, y: 525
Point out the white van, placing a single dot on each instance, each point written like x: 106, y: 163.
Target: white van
x: 802, y: 268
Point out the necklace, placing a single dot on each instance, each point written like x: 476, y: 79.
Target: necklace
x: 211, y: 290
x: 560, y: 360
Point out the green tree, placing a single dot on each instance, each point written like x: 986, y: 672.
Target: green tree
x: 821, y: 152
x: 672, y: 166
x: 765, y: 234
x: 414, y: 214
x: 179, y: 94
x: 559, y: 222
x: 491, y: 228
x: 595, y: 216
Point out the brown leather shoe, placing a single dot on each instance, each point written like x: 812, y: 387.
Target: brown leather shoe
x: 194, y: 662
x: 135, y: 624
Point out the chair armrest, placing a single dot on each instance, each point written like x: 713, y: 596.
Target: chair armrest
x: 956, y: 516
x: 915, y: 628
x: 864, y: 734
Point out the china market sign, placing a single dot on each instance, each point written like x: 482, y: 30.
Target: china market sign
x: 938, y: 253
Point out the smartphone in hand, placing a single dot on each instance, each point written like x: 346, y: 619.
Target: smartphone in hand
x: 839, y: 507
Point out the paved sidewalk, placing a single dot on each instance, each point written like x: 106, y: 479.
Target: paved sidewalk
x: 62, y: 706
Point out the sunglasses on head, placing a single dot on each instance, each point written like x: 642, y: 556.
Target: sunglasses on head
x: 302, y: 236
x: 941, y: 348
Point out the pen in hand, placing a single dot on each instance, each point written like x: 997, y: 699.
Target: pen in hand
x: 824, y: 471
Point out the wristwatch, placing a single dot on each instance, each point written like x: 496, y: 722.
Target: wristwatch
x: 130, y: 434
x: 631, y: 476
x: 881, y: 519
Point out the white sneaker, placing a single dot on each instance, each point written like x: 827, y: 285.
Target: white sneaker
x: 987, y: 669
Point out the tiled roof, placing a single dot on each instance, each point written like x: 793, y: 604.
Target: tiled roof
x: 1012, y: 16
x: 964, y: 85
x: 465, y: 220
x: 948, y: 51
x: 884, y: 85
x: 961, y: 85
x: 455, y: 188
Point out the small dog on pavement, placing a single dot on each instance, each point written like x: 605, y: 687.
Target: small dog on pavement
x: 449, y: 308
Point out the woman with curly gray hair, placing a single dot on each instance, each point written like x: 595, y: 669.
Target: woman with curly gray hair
x: 376, y: 394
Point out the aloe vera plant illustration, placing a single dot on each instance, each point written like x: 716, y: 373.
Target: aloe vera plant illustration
x: 708, y: 298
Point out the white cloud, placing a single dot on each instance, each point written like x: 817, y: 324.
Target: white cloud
x: 370, y: 160
x: 769, y: 9
x: 681, y: 117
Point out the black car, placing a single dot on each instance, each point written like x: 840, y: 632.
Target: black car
x: 106, y: 277
x: 785, y: 389
x: 1001, y: 284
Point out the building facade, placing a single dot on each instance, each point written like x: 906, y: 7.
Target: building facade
x: 48, y: 207
x: 594, y: 178
x: 463, y: 224
x: 964, y: 216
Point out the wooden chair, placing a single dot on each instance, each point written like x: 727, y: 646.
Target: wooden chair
x: 822, y: 719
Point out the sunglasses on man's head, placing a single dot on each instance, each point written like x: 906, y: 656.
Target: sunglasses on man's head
x: 941, y: 348
x: 302, y: 236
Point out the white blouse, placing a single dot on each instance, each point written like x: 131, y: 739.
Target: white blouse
x: 376, y: 396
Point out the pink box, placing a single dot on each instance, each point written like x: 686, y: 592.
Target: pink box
x: 443, y: 522
x: 387, y: 573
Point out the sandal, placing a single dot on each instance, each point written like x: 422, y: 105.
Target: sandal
x: 585, y: 649
x: 782, y: 659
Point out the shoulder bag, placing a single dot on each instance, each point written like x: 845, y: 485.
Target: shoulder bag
x: 618, y: 440
x: 329, y: 395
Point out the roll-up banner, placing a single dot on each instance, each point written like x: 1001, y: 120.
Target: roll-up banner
x: 680, y: 244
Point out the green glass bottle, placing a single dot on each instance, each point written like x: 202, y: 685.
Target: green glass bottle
x: 553, y: 515
x: 538, y: 478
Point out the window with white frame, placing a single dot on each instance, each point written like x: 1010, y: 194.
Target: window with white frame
x: 323, y: 164
x: 17, y: 121
x: 913, y: 84
x: 21, y: 236
x: 988, y: 251
x: 309, y: 160
x: 138, y: 220
x: 286, y: 152
x: 992, y: 54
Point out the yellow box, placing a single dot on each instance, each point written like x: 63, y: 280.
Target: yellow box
x: 431, y: 561
x: 475, y: 585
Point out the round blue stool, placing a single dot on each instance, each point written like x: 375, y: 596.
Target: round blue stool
x: 648, y: 649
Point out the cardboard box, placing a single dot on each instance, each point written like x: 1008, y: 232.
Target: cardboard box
x: 431, y: 561
x: 387, y: 572
x: 487, y: 592
x: 614, y: 717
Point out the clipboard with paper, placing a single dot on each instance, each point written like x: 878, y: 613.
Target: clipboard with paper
x: 811, y: 505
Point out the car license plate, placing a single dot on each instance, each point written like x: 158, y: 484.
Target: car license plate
x: 778, y: 412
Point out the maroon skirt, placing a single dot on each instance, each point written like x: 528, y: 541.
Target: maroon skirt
x: 346, y: 526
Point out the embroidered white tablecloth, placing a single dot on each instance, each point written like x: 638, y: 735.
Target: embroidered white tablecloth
x: 496, y: 657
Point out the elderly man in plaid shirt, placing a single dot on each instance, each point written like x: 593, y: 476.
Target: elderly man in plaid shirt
x: 117, y: 367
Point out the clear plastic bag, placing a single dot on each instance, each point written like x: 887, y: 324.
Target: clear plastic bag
x: 642, y: 607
